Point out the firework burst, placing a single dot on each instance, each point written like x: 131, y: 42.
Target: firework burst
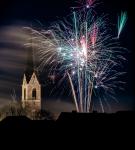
x: 83, y: 51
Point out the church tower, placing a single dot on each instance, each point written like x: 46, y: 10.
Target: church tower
x: 31, y: 93
x: 31, y: 88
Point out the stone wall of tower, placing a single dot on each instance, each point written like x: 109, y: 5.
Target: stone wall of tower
x: 23, y: 95
x: 32, y: 105
x: 30, y: 88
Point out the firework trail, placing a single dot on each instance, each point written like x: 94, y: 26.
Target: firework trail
x: 82, y: 50
x: 121, y: 22
x: 87, y: 3
x: 90, y: 3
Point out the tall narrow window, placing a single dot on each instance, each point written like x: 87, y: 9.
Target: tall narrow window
x: 24, y: 94
x: 34, y: 94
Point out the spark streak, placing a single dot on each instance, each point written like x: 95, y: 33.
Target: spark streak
x: 121, y: 22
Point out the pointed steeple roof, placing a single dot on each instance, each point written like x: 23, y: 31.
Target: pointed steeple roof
x: 24, y: 80
x: 33, y: 79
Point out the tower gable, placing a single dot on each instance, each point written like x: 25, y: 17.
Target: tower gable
x: 34, y: 80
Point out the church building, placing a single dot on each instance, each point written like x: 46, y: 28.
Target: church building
x: 31, y: 93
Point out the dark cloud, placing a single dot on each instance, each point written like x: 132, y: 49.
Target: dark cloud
x: 13, y: 56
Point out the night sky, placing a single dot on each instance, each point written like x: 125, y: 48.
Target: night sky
x: 15, y: 14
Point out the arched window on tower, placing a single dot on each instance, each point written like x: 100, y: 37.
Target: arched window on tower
x: 34, y: 94
x: 24, y: 94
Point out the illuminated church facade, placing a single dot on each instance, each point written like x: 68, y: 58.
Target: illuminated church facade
x: 31, y: 93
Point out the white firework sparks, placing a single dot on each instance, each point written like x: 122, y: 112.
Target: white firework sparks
x: 84, y: 51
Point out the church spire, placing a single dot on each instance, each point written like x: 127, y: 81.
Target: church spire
x: 24, y: 80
